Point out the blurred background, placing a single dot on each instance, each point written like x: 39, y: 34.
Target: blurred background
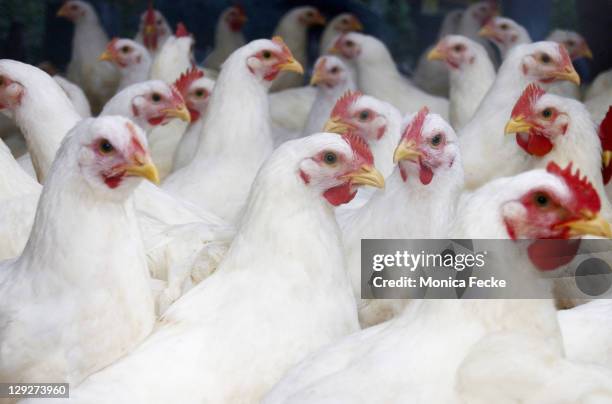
x: 30, y: 31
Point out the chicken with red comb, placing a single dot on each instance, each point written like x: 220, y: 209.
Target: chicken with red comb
x: 174, y: 57
x: 231, y: 150
x: 228, y: 36
x: 296, y: 188
x: 153, y: 30
x: 86, y: 289
x: 486, y: 153
x: 427, y: 177
x: 196, y: 90
x: 131, y: 58
x: 536, y: 205
x: 551, y: 128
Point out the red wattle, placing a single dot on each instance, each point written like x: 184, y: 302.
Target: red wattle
x: 340, y: 194
x: 534, y: 144
x: 550, y: 254
x: 425, y: 174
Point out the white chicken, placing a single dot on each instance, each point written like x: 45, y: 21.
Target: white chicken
x: 231, y: 150
x: 86, y: 288
x: 340, y: 24
x: 228, y: 36
x: 415, y: 357
x: 487, y: 154
x: 153, y: 30
x: 196, y: 91
x: 471, y: 75
x: 505, y: 33
x: 602, y: 82
x: 333, y: 79
x: 293, y: 28
x: 378, y: 76
x: 431, y: 75
x: 98, y: 80
x: 131, y: 59
x: 37, y: 88
x: 549, y: 128
x: 428, y: 178
x: 472, y: 20
x: 193, y: 350
x: 577, y: 47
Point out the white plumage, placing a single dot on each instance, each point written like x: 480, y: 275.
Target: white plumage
x: 79, y: 297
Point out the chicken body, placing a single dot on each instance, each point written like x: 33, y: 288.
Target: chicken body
x: 82, y: 279
x: 228, y: 37
x: 231, y: 150
x: 192, y: 357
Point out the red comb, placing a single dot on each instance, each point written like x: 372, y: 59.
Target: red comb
x: 240, y: 9
x: 414, y: 128
x: 584, y: 194
x: 605, y: 136
x: 524, y: 105
x: 149, y: 35
x: 344, y: 103
x: 359, y: 146
x: 181, y: 30
x: 183, y: 83
x: 111, y: 45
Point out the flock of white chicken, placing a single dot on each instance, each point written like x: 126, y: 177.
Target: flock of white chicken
x: 233, y: 274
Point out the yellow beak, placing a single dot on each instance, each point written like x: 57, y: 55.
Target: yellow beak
x: 336, y: 125
x: 318, y: 19
x: 435, y: 54
x: 181, y: 112
x: 486, y: 32
x: 367, y: 175
x: 63, y: 11
x: 149, y: 29
x: 606, y: 157
x: 317, y: 77
x: 143, y: 167
x: 106, y: 55
x: 593, y: 225
x: 517, y: 125
x: 292, y: 65
x: 586, y: 52
x: 406, y: 150
x: 568, y: 74
x: 356, y: 25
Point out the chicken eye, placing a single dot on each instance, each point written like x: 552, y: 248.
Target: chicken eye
x: 199, y: 93
x: 541, y: 200
x: 74, y: 7
x: 330, y: 158
x: 364, y: 115
x: 105, y: 146
x: 266, y: 54
x: 156, y: 97
x: 125, y: 49
x: 309, y: 14
x: 334, y: 70
x: 546, y: 113
x: 504, y: 26
x: 350, y: 44
x: 345, y: 21
x: 458, y: 48
x: 436, y: 140
x: 545, y: 58
x: 570, y: 43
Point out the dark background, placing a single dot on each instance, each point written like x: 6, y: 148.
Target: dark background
x: 30, y: 31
